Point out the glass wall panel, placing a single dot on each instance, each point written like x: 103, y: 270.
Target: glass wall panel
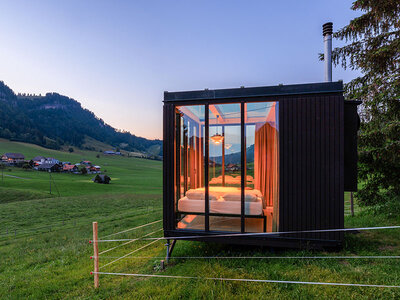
x: 224, y: 167
x: 189, y: 167
x: 262, y: 162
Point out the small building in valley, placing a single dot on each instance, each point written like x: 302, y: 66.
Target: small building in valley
x: 70, y: 168
x: 13, y: 158
x: 86, y: 162
x: 51, y: 160
x: 105, y: 179
x: 49, y: 167
x: 39, y: 159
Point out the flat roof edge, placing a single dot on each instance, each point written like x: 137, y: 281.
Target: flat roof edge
x: 263, y: 91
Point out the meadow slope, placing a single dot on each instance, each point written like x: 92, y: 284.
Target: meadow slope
x: 45, y: 252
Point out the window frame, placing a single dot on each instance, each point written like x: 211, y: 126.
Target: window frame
x: 206, y: 104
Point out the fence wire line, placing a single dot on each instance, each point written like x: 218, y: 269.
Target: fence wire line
x: 251, y: 280
x: 59, y: 225
x: 129, y: 253
x: 130, y: 229
x: 259, y: 257
x: 108, y: 250
x: 260, y: 234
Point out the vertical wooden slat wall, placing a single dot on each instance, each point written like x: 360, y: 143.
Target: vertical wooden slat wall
x: 311, y: 165
x: 168, y: 168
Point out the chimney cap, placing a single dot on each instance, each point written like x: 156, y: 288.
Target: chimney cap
x: 327, y: 28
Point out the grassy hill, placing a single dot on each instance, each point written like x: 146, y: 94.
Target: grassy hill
x: 128, y: 175
x: 44, y: 249
x: 56, y: 121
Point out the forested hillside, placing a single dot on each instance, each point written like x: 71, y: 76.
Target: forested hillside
x: 55, y: 120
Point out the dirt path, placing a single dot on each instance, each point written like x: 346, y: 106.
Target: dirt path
x: 17, y: 177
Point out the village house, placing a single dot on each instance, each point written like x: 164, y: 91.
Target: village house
x: 13, y: 158
x: 104, y: 179
x: 231, y: 167
x: 94, y: 169
x: 39, y: 159
x: 86, y: 162
x: 49, y: 167
x: 51, y: 160
x: 70, y: 168
x: 110, y: 152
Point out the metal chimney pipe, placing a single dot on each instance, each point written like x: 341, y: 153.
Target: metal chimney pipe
x: 327, y: 30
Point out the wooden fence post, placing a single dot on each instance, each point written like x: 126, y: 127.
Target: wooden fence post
x: 352, y: 204
x: 95, y: 255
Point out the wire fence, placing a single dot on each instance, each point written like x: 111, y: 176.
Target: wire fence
x: 251, y: 280
x: 257, y: 234
x: 260, y: 257
x: 115, y: 259
x: 17, y: 232
x: 124, y: 244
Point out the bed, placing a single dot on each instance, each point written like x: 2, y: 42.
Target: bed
x: 231, y: 180
x: 219, y: 204
x: 223, y: 201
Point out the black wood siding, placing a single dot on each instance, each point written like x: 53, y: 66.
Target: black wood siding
x: 168, y: 167
x: 311, y: 165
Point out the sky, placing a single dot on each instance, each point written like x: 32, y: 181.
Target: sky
x: 118, y: 57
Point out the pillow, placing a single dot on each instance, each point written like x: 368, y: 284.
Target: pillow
x: 254, y: 192
x: 237, y: 197
x: 199, y: 195
x: 215, y: 180
x: 220, y: 199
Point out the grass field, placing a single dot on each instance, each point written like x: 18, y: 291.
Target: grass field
x: 128, y: 175
x: 44, y: 249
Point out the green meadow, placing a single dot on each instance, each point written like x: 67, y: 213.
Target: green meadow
x: 45, y: 254
x: 128, y: 175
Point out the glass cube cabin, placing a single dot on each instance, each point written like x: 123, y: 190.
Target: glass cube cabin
x: 258, y: 160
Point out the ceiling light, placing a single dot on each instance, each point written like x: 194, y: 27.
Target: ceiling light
x: 217, y: 138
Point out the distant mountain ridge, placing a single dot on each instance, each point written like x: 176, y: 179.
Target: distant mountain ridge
x: 55, y: 120
x: 235, y: 158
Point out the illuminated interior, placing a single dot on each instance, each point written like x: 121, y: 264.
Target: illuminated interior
x: 241, y: 154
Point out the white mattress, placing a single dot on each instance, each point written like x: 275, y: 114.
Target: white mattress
x: 220, y: 206
x: 219, y: 191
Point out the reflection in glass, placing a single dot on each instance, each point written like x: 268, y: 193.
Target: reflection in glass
x: 190, y: 167
x: 225, y: 168
x: 261, y: 121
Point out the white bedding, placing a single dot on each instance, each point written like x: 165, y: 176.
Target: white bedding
x: 219, y: 191
x: 222, y: 206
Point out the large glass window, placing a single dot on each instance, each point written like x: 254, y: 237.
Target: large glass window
x: 261, y: 129
x: 242, y: 178
x: 225, y: 167
x: 189, y: 164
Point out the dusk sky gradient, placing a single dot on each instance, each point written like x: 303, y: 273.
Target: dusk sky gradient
x: 117, y: 57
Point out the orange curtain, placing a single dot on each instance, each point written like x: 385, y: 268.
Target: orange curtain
x: 266, y: 162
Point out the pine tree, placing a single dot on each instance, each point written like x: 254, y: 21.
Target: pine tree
x: 374, y: 49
